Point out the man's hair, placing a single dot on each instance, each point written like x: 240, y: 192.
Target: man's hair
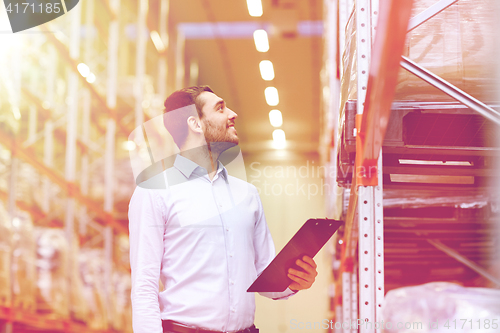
x: 177, y: 112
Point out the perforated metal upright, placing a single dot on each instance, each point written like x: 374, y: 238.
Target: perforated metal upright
x: 370, y: 205
x: 347, y: 300
x: 378, y: 254
x: 109, y: 157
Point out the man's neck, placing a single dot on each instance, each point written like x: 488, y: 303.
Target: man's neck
x: 204, y: 157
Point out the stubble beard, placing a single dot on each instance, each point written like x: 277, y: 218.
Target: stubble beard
x: 218, y: 137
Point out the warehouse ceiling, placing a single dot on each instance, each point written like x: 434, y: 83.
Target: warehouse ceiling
x: 218, y: 37
x: 229, y: 62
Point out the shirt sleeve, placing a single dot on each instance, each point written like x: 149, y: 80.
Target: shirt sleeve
x: 146, y: 230
x: 265, y: 251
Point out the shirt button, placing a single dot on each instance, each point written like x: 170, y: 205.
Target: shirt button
x: 233, y: 310
x: 232, y: 282
x: 227, y: 229
x: 231, y: 255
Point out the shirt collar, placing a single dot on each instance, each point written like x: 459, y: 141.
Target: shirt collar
x: 188, y: 167
x: 222, y: 170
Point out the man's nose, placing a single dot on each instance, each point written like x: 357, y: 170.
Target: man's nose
x: 232, y: 114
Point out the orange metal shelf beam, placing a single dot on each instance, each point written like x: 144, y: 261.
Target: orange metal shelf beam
x: 392, y: 25
x: 394, y: 16
x: 350, y: 230
x: 72, y: 190
x: 35, y: 212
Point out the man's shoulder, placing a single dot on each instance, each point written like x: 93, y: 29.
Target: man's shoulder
x: 157, y: 182
x: 152, y: 189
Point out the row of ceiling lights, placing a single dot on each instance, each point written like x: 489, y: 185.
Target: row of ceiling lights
x: 267, y: 73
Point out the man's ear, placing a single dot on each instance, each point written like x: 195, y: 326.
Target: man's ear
x: 194, y: 124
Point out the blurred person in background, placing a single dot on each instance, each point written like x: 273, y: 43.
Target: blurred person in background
x: 200, y: 231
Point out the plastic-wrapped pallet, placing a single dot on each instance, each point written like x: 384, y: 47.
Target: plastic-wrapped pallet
x: 457, y: 45
x: 91, y: 263
x: 23, y: 262
x: 121, y: 317
x: 5, y: 256
x: 122, y: 284
x: 440, y: 307
x: 52, y: 272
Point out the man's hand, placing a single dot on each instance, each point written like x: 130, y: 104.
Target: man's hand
x: 303, y: 279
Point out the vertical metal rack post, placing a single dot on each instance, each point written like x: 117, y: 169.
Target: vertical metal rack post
x: 366, y: 200
x: 364, y: 229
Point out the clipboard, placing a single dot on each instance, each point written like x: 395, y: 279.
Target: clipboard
x: 310, y: 238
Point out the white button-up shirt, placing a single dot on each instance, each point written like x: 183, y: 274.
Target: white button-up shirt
x: 207, y: 240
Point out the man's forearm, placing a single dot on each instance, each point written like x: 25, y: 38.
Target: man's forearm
x: 146, y: 313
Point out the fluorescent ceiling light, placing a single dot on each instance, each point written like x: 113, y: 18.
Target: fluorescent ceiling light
x: 279, y: 138
x: 276, y: 118
x: 83, y: 69
x: 155, y: 37
x: 266, y: 70
x: 91, y: 78
x: 272, y: 97
x: 261, y: 40
x: 255, y: 8
x: 129, y: 145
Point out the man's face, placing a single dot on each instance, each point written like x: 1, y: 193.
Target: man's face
x: 218, y: 119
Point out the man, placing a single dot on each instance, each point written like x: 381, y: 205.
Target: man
x: 201, y: 232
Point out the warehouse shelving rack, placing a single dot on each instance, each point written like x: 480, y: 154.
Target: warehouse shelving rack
x: 24, y: 321
x: 87, y: 106
x: 359, y: 279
